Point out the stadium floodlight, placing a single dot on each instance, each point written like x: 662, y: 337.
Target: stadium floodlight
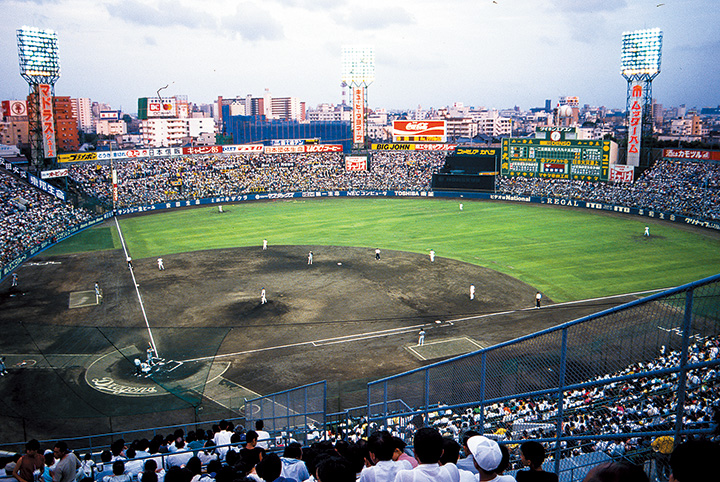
x: 641, y: 52
x: 38, y: 53
x: 358, y: 66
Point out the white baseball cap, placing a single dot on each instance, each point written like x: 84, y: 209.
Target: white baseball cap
x: 486, y: 452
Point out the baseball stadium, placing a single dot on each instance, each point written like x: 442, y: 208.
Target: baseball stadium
x: 289, y: 289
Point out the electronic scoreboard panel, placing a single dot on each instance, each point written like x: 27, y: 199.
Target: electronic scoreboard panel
x: 586, y: 160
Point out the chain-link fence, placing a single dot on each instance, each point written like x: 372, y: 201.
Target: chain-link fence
x: 606, y: 384
x: 297, y: 414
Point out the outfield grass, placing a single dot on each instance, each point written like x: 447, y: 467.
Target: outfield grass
x: 568, y: 254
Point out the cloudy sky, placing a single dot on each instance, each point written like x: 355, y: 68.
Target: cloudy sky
x: 431, y: 53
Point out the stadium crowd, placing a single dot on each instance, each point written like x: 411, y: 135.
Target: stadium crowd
x: 679, y: 187
x: 197, y: 177
x: 29, y: 216
x: 229, y: 454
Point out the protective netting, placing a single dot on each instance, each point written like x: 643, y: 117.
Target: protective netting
x: 294, y: 414
x: 81, y: 380
x: 604, y: 385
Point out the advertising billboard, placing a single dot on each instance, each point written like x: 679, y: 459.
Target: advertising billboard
x: 46, y: 120
x: 358, y: 115
x: 356, y: 163
x: 55, y: 173
x: 622, y: 173
x: 691, y: 154
x: 109, y: 115
x: 161, y: 107
x: 419, y: 131
x: 635, y: 125
x: 14, y: 108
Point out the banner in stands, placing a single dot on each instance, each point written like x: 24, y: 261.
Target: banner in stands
x: 419, y: 131
x: 477, y: 151
x: 202, y: 150
x: 77, y: 156
x: 358, y: 115
x: 243, y: 148
x: 414, y: 147
x: 47, y: 121
x: 311, y: 148
x: 356, y: 163
x: 54, y: 174
x: 691, y: 154
x: 621, y: 173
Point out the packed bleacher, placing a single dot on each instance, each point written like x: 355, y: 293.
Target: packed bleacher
x: 29, y: 216
x: 619, y: 404
x: 180, y: 178
x: 679, y: 187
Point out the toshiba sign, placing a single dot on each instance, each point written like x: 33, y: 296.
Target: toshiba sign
x: 419, y: 131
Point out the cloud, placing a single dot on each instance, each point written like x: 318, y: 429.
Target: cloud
x: 314, y: 5
x: 378, y: 18
x: 253, y: 23
x: 168, y: 13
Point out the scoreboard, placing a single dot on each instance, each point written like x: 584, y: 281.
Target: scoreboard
x: 584, y: 160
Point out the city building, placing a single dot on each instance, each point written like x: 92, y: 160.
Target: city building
x: 66, y: 125
x: 14, y: 130
x: 82, y: 108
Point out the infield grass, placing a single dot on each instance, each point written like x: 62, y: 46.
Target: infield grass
x: 568, y: 254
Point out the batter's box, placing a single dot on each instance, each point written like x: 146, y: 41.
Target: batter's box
x: 446, y: 348
x: 79, y: 299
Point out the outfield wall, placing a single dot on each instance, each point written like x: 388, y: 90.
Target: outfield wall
x: 8, y: 268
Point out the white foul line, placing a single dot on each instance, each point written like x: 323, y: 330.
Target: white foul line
x: 137, y: 290
x: 405, y: 329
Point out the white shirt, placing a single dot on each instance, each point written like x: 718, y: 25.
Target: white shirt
x: 426, y: 473
x: 263, y: 436
x: 384, y: 470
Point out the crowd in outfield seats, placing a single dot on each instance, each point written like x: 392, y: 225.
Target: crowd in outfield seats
x: 678, y: 187
x: 29, y: 216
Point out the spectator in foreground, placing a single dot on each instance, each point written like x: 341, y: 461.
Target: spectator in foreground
x: 488, y: 458
x: 616, y: 472
x: 428, y: 449
x: 270, y: 468
x: 694, y: 461
x: 532, y: 455
x: 399, y: 453
x: 68, y: 464
x: 292, y: 465
x: 380, y: 453
x: 30, y: 464
x: 334, y: 469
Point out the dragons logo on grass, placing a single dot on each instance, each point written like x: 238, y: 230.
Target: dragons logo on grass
x: 108, y: 385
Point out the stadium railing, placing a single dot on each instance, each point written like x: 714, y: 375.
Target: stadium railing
x: 646, y: 355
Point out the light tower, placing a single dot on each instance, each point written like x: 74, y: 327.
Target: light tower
x: 40, y: 67
x: 641, y: 54
x: 358, y: 72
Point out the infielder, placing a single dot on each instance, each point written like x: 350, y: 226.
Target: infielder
x: 432, y: 256
x: 310, y: 257
x: 14, y: 279
x: 421, y: 337
x: 538, y: 297
x: 472, y: 292
x: 161, y: 266
x: 263, y: 299
x: 264, y: 244
x: 377, y: 253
